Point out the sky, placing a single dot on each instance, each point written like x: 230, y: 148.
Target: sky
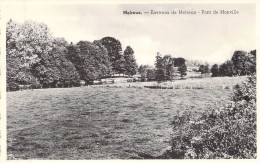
x: 212, y: 38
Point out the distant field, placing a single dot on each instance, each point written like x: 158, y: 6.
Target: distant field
x: 98, y: 123
x: 203, y: 83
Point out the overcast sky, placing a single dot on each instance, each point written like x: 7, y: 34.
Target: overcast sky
x: 211, y: 38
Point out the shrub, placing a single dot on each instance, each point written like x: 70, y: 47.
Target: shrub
x: 130, y: 80
x: 219, y: 132
x: 12, y: 86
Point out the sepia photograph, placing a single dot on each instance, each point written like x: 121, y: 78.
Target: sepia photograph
x: 130, y: 81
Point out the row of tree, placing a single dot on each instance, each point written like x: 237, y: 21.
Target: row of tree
x: 34, y: 57
x: 147, y: 72
x: 241, y: 63
x: 166, y: 68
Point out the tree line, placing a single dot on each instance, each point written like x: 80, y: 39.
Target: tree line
x: 169, y: 68
x: 241, y: 63
x: 34, y: 57
x: 166, y: 68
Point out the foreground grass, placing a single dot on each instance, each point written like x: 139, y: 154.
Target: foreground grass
x: 97, y: 123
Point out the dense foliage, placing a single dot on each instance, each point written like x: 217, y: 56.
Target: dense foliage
x: 204, y: 69
x: 130, y: 62
x: 91, y: 60
x: 168, y: 68
x: 183, y: 69
x: 38, y: 60
x: 147, y: 72
x: 122, y: 62
x: 220, y: 132
x: 27, y: 45
x: 241, y: 63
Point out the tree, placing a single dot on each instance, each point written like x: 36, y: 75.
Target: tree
x: 114, y: 50
x: 241, y: 63
x: 91, y: 60
x: 206, y: 68
x: 150, y: 74
x: 130, y: 62
x: 244, y: 62
x: 183, y: 70
x: 160, y: 72
x: 227, y: 69
x: 252, y: 61
x: 202, y: 69
x: 104, y: 60
x: 35, y: 43
x: 253, y: 52
x: 147, y: 72
x: 84, y: 61
x: 168, y: 64
x: 120, y: 65
x: 215, y: 70
x: 16, y: 74
x: 230, y: 68
x: 167, y: 67
x: 29, y: 44
x: 12, y: 62
x: 142, y: 70
x: 179, y: 62
x: 34, y: 57
x: 68, y: 75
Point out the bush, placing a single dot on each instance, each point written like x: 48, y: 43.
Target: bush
x: 11, y: 86
x: 36, y: 85
x: 130, y: 80
x: 219, y: 132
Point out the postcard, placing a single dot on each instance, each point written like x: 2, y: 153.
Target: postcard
x: 129, y: 81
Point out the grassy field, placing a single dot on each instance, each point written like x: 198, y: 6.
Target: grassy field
x: 98, y: 123
x: 201, y: 83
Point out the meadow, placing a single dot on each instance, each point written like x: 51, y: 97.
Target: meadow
x: 100, y: 123
x: 191, y: 83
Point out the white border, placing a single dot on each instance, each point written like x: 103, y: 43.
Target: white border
x: 3, y: 71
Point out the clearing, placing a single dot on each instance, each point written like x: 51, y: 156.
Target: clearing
x: 98, y: 123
